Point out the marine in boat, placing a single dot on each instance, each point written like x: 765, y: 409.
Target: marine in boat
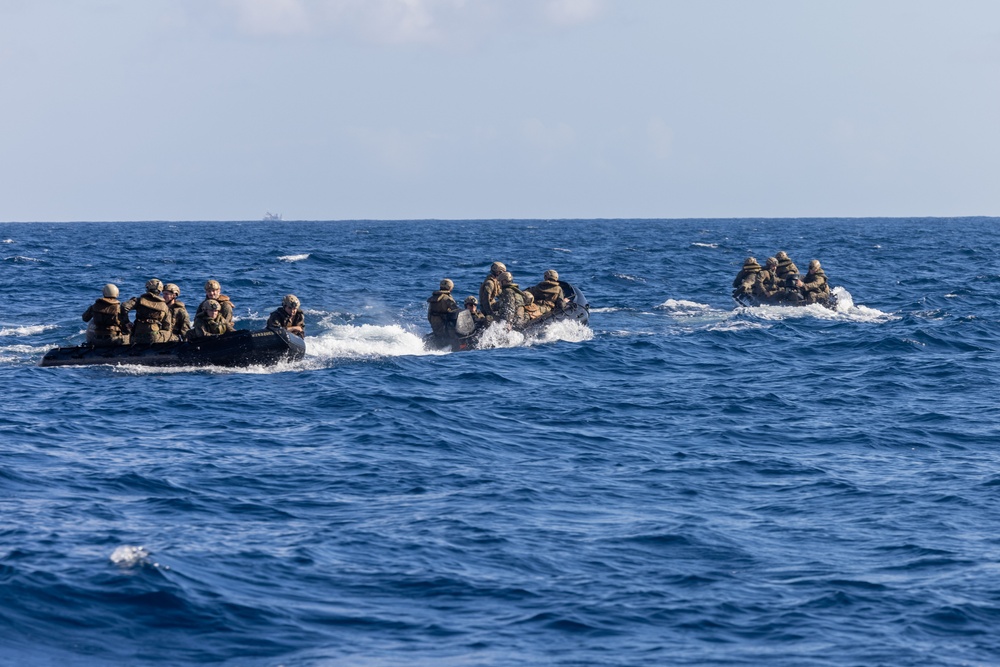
x: 778, y: 283
x: 265, y: 347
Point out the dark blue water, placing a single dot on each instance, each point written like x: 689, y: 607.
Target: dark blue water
x: 682, y: 483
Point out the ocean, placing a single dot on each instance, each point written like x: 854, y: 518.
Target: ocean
x: 682, y: 482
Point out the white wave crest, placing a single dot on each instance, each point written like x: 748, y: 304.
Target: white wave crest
x: 21, y: 258
x: 568, y: 330
x: 8, y: 240
x: 705, y: 245
x: 368, y: 341
x: 846, y: 310
x: 562, y: 250
x: 625, y: 276
x: 294, y: 258
x: 609, y: 309
x: 26, y: 330
x: 127, y: 556
x: 680, y: 307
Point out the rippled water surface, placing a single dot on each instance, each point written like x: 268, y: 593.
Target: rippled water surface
x: 683, y: 482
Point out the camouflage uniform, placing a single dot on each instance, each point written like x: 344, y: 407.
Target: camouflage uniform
x: 442, y: 309
x: 747, y: 278
x: 280, y: 319
x: 205, y: 326
x: 225, y: 310
x: 531, y: 309
x: 109, y: 326
x: 815, y: 284
x: 786, y: 268
x: 510, y: 304
x: 548, y: 293
x: 767, y: 283
x: 180, y: 321
x: 488, y: 293
x: 152, y: 317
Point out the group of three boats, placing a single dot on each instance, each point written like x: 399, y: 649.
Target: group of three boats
x: 269, y: 346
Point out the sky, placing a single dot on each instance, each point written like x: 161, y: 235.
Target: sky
x: 458, y: 109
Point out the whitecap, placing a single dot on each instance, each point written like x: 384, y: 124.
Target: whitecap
x: 562, y: 250
x: 8, y: 241
x: 570, y: 331
x: 625, y: 276
x: 705, y: 245
x: 26, y: 330
x: 129, y: 556
x: 20, y: 258
x: 846, y: 310
x: 608, y: 309
x: 294, y: 258
x: 367, y: 341
x: 736, y: 325
x: 682, y: 307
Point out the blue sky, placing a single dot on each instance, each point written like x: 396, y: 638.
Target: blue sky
x: 397, y: 109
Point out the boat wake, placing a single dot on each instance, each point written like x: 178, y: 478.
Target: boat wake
x: 26, y: 330
x: 846, y: 311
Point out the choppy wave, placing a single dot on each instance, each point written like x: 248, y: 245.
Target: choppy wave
x: 680, y: 482
x: 294, y: 258
x: 705, y: 245
x: 28, y: 330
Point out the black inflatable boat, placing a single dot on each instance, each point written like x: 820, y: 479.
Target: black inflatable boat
x: 465, y: 336
x: 238, y: 348
x: 751, y: 301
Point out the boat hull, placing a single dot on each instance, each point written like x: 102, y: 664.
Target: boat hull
x: 751, y: 301
x: 239, y: 348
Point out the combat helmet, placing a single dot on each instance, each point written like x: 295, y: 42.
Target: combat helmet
x: 814, y: 265
x: 110, y: 291
x: 212, y: 304
x: 172, y: 288
x: 154, y: 286
x: 446, y: 285
x: 782, y: 255
x: 551, y: 275
x: 496, y: 268
x: 529, y: 298
x: 212, y: 285
x: 290, y: 300
x: 505, y: 278
x: 471, y: 300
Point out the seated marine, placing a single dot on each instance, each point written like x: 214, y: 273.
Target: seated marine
x: 477, y: 317
x: 548, y: 293
x: 747, y: 278
x: 489, y: 290
x: 109, y: 325
x: 152, y: 316
x: 180, y: 321
x: 814, y: 285
x: 531, y: 309
x: 213, y: 291
x: 209, y: 321
x: 510, y: 303
x: 767, y: 284
x: 442, y: 311
x: 288, y: 317
x: 785, y: 268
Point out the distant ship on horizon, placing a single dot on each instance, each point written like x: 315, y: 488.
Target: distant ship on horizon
x: 272, y: 217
